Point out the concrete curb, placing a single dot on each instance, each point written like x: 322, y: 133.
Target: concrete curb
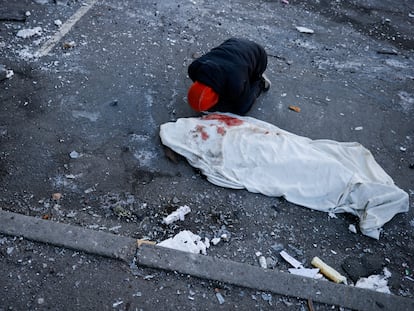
x: 124, y: 248
x: 73, y: 237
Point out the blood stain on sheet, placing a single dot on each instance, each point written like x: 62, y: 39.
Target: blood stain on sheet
x: 228, y: 120
x: 200, y: 129
x: 221, y: 130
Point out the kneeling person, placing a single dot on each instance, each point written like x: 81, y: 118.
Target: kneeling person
x: 229, y: 78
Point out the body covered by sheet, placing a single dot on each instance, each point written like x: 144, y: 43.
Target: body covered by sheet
x: 325, y: 175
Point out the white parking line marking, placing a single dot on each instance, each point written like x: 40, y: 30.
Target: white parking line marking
x: 65, y: 28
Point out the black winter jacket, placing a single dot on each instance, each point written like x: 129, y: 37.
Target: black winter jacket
x: 234, y: 71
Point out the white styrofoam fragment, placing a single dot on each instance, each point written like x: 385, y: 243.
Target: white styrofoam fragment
x: 376, y: 282
x: 186, y: 241
x: 179, y: 214
x: 294, y: 263
x: 306, y: 272
x: 304, y: 29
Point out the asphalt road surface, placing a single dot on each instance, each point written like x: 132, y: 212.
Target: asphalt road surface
x: 88, y: 85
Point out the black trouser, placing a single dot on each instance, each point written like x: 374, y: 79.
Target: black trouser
x: 256, y: 88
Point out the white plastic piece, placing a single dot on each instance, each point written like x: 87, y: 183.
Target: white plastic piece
x: 304, y: 30
x: 352, y: 228
x: 179, y: 214
x: 117, y: 303
x: 220, y: 298
x: 306, y: 272
x: 294, y: 263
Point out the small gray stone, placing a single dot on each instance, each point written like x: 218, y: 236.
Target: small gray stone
x: 278, y: 247
x: 271, y: 262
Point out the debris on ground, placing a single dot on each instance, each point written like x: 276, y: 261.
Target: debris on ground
x: 378, y: 283
x: 69, y: 45
x: 357, y: 267
x: 294, y: 108
x: 304, y: 30
x: 298, y: 268
x: 9, y: 74
x: 352, y: 228
x: 215, y: 241
x: 388, y: 52
x: 328, y: 271
x: 121, y: 211
x: 56, y: 196
x: 267, y: 297
x: 179, y: 214
x: 145, y: 242
x: 5, y: 73
x: 262, y: 262
x: 29, y: 32
x: 219, y: 296
x: 117, y: 303
x: 74, y: 154
x: 46, y: 216
x: 328, y: 74
x: 306, y: 272
x: 187, y: 241
x: 271, y: 262
x: 293, y: 262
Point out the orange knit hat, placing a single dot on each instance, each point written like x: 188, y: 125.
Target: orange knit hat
x: 201, y: 97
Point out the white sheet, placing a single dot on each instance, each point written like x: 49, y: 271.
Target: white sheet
x: 325, y: 175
